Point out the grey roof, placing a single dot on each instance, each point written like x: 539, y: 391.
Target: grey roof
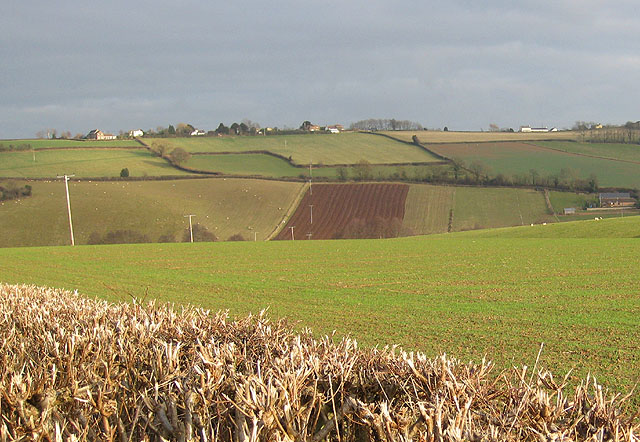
x: 615, y: 195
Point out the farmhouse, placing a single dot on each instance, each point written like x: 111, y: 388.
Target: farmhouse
x: 335, y: 129
x: 136, y: 133
x: 97, y: 134
x: 616, y: 199
x: 198, y: 133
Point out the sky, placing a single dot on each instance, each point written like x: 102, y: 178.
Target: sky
x: 120, y: 65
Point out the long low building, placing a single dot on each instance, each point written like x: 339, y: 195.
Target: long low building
x: 537, y: 129
x: 616, y: 199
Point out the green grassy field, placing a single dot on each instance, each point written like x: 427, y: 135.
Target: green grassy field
x: 154, y: 208
x: 459, y: 293
x: 622, y: 152
x: 478, y: 208
x: 65, y: 144
x: 84, y: 163
x: 519, y: 159
x: 344, y: 148
x: 561, y: 200
x: 244, y: 164
x: 613, y: 225
x: 427, y: 209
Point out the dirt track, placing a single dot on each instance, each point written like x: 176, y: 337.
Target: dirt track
x: 335, y: 206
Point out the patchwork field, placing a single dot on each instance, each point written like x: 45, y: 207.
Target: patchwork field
x: 331, y: 149
x: 459, y: 293
x: 225, y: 207
x: 348, y: 210
x: 84, y: 163
x: 270, y: 166
x: 520, y: 158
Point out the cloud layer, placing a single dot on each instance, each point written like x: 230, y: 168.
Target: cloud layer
x: 122, y: 65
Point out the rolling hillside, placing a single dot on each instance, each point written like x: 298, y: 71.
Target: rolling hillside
x: 252, y: 208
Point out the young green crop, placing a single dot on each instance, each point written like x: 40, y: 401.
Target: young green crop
x: 464, y: 295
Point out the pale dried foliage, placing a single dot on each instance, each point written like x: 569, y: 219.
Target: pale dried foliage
x: 79, y: 369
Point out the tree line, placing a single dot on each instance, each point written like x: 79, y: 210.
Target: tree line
x: 591, y: 132
x: 457, y: 171
x: 385, y: 124
x: 125, y: 236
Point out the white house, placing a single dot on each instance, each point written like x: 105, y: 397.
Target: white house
x: 136, y: 133
x: 198, y: 133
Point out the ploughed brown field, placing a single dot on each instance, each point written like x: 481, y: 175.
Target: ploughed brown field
x: 348, y: 211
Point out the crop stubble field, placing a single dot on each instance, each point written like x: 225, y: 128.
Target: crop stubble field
x: 461, y: 294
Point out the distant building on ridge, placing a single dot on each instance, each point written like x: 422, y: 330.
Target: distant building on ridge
x: 537, y: 129
x: 97, y: 134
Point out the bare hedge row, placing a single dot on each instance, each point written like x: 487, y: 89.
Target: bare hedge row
x: 78, y: 369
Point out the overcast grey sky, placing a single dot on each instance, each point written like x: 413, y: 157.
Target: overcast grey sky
x: 118, y: 65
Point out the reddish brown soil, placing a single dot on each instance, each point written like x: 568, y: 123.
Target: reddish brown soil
x: 335, y: 206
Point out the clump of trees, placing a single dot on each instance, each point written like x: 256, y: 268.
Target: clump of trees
x: 245, y: 127
x: 11, y: 191
x: 386, y: 124
x: 53, y: 134
x: 179, y: 156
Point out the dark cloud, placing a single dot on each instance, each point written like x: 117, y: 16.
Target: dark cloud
x: 464, y: 64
